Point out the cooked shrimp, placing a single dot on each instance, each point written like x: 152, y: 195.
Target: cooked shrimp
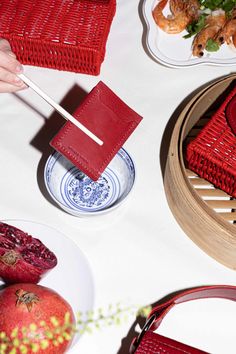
x: 177, y: 6
x: 193, y: 9
x: 190, y: 7
x: 214, y: 23
x: 228, y: 31
x: 175, y: 23
x: 234, y: 39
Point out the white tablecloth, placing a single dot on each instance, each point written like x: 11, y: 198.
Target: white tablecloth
x: 138, y: 253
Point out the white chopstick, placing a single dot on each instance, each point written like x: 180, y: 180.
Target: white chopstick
x: 59, y: 108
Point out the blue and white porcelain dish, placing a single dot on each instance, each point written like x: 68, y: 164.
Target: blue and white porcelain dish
x: 78, y: 195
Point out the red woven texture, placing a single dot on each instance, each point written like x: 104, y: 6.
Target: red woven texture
x: 66, y: 35
x: 212, y: 154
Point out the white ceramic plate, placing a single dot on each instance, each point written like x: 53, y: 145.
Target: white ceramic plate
x: 72, y: 277
x: 174, y: 51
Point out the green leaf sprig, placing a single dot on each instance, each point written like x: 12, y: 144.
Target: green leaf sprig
x: 226, y: 5
x: 196, y: 26
x: 212, y: 45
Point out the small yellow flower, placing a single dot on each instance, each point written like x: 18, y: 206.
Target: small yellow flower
x: 25, y: 340
x: 55, y: 343
x: 60, y: 339
x: 13, y: 351
x: 54, y: 321
x: 42, y: 323
x: 16, y: 342
x: 14, y: 333
x: 33, y: 327
x: 67, y: 318
x: 3, y: 347
x: 34, y: 347
x: 49, y: 334
x: 2, y: 335
x: 66, y: 336
x: 44, y: 343
x: 23, y: 349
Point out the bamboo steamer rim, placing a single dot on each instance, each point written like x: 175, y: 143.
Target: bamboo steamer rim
x: 212, y: 234
x: 184, y: 131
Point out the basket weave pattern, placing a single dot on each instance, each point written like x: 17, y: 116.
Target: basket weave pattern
x: 66, y: 35
x: 212, y: 154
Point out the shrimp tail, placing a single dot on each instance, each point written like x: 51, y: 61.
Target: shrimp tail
x: 173, y: 24
x: 157, y: 12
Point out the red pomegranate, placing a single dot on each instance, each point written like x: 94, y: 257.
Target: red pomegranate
x: 23, y: 258
x: 46, y: 318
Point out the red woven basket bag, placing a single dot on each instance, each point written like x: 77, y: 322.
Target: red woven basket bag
x: 212, y: 154
x: 66, y: 35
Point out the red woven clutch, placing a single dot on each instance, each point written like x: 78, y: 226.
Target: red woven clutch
x: 66, y: 35
x: 212, y: 154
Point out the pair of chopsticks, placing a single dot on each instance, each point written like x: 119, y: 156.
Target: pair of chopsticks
x: 59, y: 108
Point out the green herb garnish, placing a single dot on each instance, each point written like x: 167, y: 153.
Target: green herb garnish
x: 196, y: 26
x: 226, y: 5
x: 212, y: 46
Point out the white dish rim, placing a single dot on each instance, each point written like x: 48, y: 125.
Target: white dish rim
x: 152, y: 30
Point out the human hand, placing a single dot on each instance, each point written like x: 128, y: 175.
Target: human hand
x: 9, y: 67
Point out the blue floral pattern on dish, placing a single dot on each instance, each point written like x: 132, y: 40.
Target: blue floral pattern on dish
x: 88, y: 193
x: 77, y: 194
x: 81, y: 192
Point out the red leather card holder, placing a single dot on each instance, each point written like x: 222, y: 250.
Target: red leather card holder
x: 109, y: 118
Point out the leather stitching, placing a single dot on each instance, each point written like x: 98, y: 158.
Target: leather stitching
x: 94, y: 94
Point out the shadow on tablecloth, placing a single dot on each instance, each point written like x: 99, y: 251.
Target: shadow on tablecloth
x: 51, y: 126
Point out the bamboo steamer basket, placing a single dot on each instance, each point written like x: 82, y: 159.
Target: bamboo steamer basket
x: 205, y: 214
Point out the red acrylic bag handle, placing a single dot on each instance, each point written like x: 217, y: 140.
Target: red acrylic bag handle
x: 149, y: 342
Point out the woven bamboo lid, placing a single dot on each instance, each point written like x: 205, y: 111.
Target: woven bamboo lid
x: 206, y: 214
